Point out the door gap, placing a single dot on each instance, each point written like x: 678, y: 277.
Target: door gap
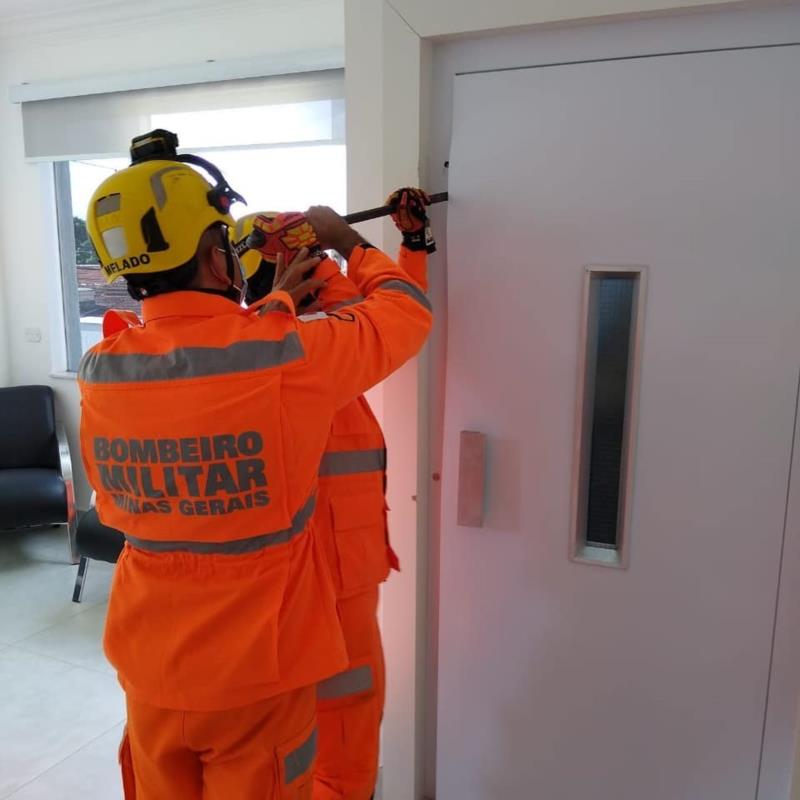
x: 778, y: 589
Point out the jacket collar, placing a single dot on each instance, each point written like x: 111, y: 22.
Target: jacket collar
x: 187, y: 304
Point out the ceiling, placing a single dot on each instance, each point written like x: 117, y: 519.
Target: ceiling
x: 12, y: 9
x: 34, y: 17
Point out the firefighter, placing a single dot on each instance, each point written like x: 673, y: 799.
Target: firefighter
x: 350, y: 522
x: 202, y: 431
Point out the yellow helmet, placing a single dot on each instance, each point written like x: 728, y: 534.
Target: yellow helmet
x: 258, y: 272
x: 150, y: 216
x: 238, y: 232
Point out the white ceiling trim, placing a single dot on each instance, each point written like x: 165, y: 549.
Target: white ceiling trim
x: 47, y: 17
x: 297, y: 61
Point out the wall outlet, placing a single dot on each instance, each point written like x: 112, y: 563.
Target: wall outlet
x: 33, y: 334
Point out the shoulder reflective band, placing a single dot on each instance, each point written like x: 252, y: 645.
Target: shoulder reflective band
x: 299, y: 761
x: 350, y: 462
x: 235, y: 547
x: 410, y: 290
x: 344, y: 303
x: 190, y: 362
x: 354, y: 681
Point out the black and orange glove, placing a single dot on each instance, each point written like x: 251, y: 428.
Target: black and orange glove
x: 285, y: 233
x: 411, y: 219
x: 279, y: 238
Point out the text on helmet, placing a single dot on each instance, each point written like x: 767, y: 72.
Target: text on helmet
x: 126, y: 263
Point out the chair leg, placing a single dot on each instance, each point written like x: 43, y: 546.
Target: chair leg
x: 72, y: 529
x: 77, y: 594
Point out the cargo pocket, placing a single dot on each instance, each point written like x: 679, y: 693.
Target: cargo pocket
x: 349, y: 716
x: 295, y: 764
x: 126, y: 767
x: 359, y: 529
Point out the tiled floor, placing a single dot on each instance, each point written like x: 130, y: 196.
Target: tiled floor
x: 61, y: 709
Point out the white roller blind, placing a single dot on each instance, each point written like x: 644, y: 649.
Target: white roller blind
x: 252, y: 111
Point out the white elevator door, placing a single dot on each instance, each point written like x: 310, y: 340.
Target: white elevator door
x: 558, y: 680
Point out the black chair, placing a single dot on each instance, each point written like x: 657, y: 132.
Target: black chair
x: 96, y: 541
x: 35, y: 466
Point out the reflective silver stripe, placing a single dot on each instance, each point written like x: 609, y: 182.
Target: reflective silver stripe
x: 108, y: 204
x: 235, y: 547
x: 350, y: 462
x: 410, y: 290
x: 354, y: 681
x: 190, y: 362
x: 157, y: 185
x: 344, y: 303
x: 299, y: 761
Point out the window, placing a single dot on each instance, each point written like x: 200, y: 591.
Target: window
x: 299, y: 161
x: 607, y: 412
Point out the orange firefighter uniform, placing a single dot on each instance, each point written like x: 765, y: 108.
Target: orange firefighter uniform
x: 202, y: 432
x: 351, y: 527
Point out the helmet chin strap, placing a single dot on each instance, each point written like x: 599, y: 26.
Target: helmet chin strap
x: 231, y: 292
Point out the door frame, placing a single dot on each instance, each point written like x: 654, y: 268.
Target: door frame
x: 685, y: 32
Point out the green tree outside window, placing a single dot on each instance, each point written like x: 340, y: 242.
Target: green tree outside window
x: 84, y: 249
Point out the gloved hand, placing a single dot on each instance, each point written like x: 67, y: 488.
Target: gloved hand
x: 411, y: 219
x: 283, y: 234
x: 294, y: 280
x: 333, y: 231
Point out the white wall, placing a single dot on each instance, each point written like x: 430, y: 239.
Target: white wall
x: 382, y: 142
x: 5, y: 373
x: 84, y: 44
x: 5, y: 355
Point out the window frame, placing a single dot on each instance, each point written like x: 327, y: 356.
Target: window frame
x: 70, y: 295
x: 68, y: 265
